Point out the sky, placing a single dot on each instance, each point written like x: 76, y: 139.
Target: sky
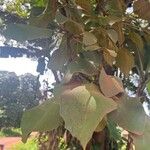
x: 24, y: 65
x: 18, y: 65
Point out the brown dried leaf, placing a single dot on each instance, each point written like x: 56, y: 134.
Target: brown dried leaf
x: 109, y: 85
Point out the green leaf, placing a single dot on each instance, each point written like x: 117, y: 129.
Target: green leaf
x: 92, y: 56
x: 22, y: 32
x: 109, y: 85
x: 148, y: 87
x: 142, y: 142
x: 59, y: 56
x: 44, y: 117
x: 73, y: 27
x: 113, y: 131
x: 125, y: 61
x: 141, y: 8
x: 47, y: 16
x: 137, y: 40
x: 130, y: 115
x: 83, y: 66
x: 82, y: 108
x: 89, y: 39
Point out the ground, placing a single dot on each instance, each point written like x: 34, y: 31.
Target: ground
x: 8, y: 142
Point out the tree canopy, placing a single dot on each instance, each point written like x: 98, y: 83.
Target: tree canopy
x: 17, y: 94
x: 94, y: 48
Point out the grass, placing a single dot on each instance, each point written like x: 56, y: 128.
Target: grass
x: 10, y: 132
x: 30, y: 145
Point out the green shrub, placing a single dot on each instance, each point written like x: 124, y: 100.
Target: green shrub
x: 31, y: 144
x: 9, y: 132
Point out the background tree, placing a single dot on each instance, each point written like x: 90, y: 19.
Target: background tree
x: 94, y: 49
x: 17, y: 94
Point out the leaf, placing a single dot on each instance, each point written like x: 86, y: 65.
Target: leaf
x: 130, y: 115
x: 85, y: 5
x: 115, y: 7
x: 59, y: 56
x: 83, y: 66
x: 125, y: 61
x: 47, y: 16
x: 109, y: 56
x: 82, y: 108
x: 118, y: 26
x: 141, y: 8
x: 44, y: 117
x: 22, y: 32
x: 148, y: 87
x: 92, y: 56
x: 92, y: 47
x: 113, y: 35
x: 73, y: 27
x: 101, y: 36
x: 142, y: 142
x: 89, y: 39
x: 137, y: 40
x: 109, y: 85
x: 114, y: 132
x: 101, y: 125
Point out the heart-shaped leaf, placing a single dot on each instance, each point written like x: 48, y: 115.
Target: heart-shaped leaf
x: 141, y: 142
x: 44, y: 117
x: 130, y: 115
x: 82, y: 108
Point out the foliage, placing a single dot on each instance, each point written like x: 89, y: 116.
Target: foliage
x: 94, y: 43
x: 18, y: 93
x: 32, y: 144
x: 9, y: 132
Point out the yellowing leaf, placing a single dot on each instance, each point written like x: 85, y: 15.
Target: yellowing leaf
x: 102, y: 37
x: 141, y: 142
x: 141, y: 8
x: 130, y: 115
x: 85, y: 5
x: 73, y: 27
x: 89, y: 39
x: 44, y: 117
x: 109, y: 56
x: 92, y: 47
x: 137, y: 40
x: 109, y: 85
x: 125, y: 61
x: 115, y: 7
x: 118, y: 26
x: 82, y: 108
x: 113, y: 35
